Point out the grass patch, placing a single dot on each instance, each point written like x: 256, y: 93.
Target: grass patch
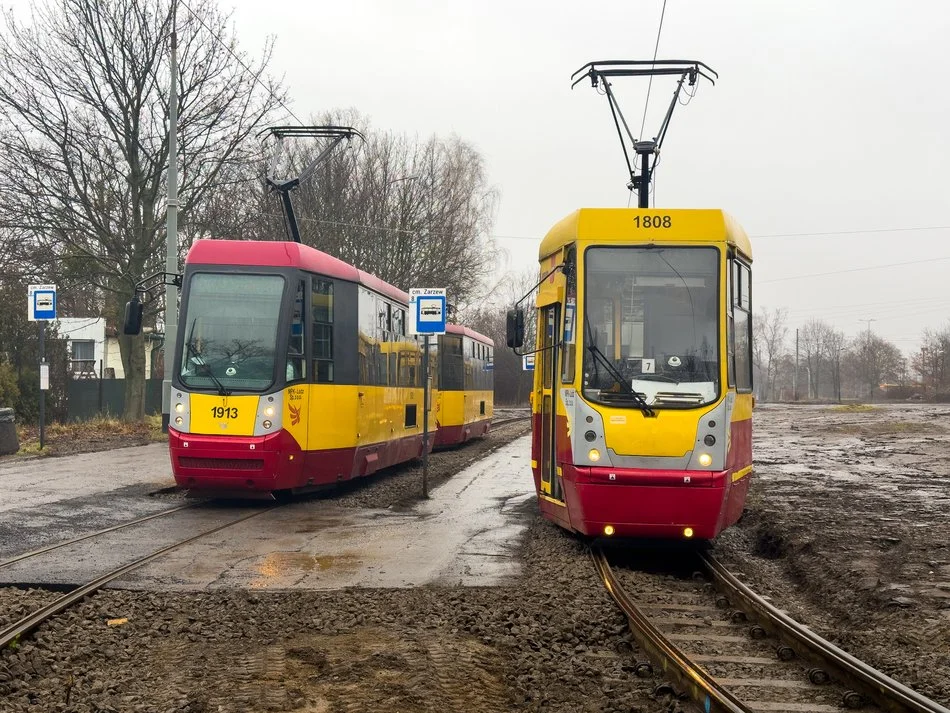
x: 97, y: 434
x: 853, y: 408
x: 897, y: 428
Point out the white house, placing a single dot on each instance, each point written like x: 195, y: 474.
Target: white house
x: 85, y: 343
x: 93, y: 348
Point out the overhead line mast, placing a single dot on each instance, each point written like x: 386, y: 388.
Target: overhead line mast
x: 599, y: 73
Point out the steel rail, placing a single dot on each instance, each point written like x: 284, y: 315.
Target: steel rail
x: 97, y: 533
x: 878, y: 687
x: 701, y: 686
x: 27, y: 624
x: 506, y: 421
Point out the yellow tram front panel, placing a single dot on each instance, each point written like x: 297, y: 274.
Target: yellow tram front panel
x: 664, y: 324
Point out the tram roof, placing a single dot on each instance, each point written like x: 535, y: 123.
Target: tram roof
x: 471, y: 333
x: 281, y: 253
x: 615, y: 225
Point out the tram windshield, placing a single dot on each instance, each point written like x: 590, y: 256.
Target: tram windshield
x: 651, y: 326
x: 230, y: 331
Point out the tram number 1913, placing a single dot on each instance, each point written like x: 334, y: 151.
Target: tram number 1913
x: 653, y: 221
x: 224, y: 412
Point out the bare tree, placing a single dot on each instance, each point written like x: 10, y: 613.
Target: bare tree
x: 873, y: 361
x: 770, y: 330
x: 814, y: 343
x: 932, y: 361
x: 835, y: 345
x: 83, y: 137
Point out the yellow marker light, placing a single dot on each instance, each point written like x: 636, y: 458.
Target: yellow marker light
x: 594, y: 454
x: 267, y: 424
x: 688, y: 532
x: 269, y: 411
x: 179, y: 420
x: 609, y: 530
x: 705, y: 459
x: 179, y: 408
x: 290, y: 457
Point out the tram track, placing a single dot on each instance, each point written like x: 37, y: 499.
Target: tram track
x: 506, y: 421
x: 728, y: 649
x: 89, y: 535
x: 15, y: 631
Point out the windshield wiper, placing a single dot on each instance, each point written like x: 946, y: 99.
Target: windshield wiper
x: 619, y: 378
x: 199, y: 360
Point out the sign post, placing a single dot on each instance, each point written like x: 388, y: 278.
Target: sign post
x: 41, y: 305
x: 427, y: 312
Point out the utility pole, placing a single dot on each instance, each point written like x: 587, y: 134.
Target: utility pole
x: 870, y: 366
x: 795, y: 375
x: 171, y: 234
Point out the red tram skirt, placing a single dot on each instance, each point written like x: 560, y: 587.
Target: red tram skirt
x: 238, y: 463
x: 454, y: 435
x: 648, y: 503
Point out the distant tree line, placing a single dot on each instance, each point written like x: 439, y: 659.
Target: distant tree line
x: 831, y: 366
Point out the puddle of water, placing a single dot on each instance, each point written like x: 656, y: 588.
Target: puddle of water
x: 277, y: 567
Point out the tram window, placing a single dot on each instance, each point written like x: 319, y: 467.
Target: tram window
x: 399, y: 322
x: 730, y: 324
x: 321, y: 302
x: 743, y: 323
x: 742, y: 327
x: 296, y: 364
x: 568, y: 340
x: 745, y: 288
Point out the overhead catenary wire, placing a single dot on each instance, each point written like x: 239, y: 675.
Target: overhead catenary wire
x: 656, y: 48
x: 855, y: 269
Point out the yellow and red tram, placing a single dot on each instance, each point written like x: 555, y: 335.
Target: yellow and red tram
x: 294, y: 371
x: 642, y: 401
x: 465, y: 387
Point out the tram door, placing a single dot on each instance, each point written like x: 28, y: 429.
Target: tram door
x: 547, y: 362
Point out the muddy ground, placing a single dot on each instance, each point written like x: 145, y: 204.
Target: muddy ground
x: 848, y: 528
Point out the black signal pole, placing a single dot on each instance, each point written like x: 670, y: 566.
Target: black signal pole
x: 42, y: 390
x: 425, y: 416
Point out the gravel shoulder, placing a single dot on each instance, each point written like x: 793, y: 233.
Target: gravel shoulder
x: 554, y: 641
x: 847, y: 528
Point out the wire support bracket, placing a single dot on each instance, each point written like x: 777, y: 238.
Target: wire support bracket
x: 334, y: 135
x: 600, y: 72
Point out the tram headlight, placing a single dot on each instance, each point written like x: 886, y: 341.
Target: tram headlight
x: 179, y: 408
x: 267, y: 424
x: 609, y: 530
x: 593, y: 454
x: 269, y: 411
x: 705, y: 460
x: 710, y: 440
x: 590, y: 436
x: 687, y: 532
x: 179, y: 420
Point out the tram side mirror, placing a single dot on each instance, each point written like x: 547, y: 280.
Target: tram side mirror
x: 133, y: 316
x: 515, y: 328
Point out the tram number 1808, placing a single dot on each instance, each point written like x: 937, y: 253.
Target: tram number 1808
x: 653, y: 221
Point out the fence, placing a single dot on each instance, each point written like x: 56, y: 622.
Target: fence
x: 87, y: 398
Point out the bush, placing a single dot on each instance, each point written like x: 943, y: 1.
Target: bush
x: 9, y: 389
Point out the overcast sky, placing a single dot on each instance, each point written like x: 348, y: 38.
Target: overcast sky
x: 828, y: 116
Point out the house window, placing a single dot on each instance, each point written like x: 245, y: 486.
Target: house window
x: 83, y: 354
